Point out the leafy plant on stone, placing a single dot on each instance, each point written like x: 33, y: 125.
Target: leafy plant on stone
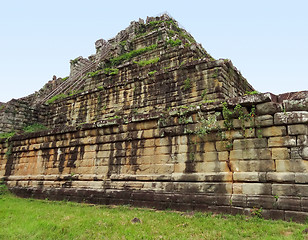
x: 36, y: 127
x: 256, y: 212
x: 174, y: 43
x: 207, y: 124
x: 152, y: 73
x: 8, y: 135
x: 187, y: 84
x: 143, y: 63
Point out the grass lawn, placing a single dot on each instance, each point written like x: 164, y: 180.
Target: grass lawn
x: 43, y: 219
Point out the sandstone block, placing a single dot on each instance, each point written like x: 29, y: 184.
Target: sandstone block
x: 268, y: 108
x: 238, y: 200
x: 286, y: 141
x: 304, y: 204
x: 291, y: 117
x: 158, y: 150
x: 253, y: 166
x: 183, y: 148
x: 257, y: 188
x: 249, y: 143
x: 304, y: 153
x: 210, y: 156
x: 246, y: 176
x: 251, y: 99
x: 223, y: 156
x: 250, y: 133
x: 105, y: 147
x: 205, y: 167
x: 163, y: 168
x: 282, y: 165
x: 235, y: 134
x: 298, y: 165
x: 163, y: 142
x: 149, y: 143
x: 283, y: 189
x: 302, y: 140
x: 222, y: 146
x: 280, y: 153
x: 180, y: 167
x: 100, y: 154
x: 236, y: 155
x: 240, y: 124
x: 274, y: 131
x: 92, y: 155
x: 209, y: 147
x: 296, y: 105
x: 149, y: 124
x: 148, y: 134
x: 298, y: 129
x: 90, y: 148
x: 289, y: 203
x: 301, y: 177
x: 256, y: 201
x: 260, y: 154
x: 296, y: 153
x: 296, y: 216
x: 217, y: 188
x: 151, y: 151
x: 280, y: 177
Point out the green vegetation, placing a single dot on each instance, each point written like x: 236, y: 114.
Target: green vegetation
x: 2, y: 107
x: 57, y: 97
x: 32, y: 219
x: 7, y: 135
x: 208, y: 123
x: 187, y: 84
x: 152, y: 73
x: 73, y: 92
x: 143, y: 63
x: 74, y: 61
x: 36, y: 127
x: 107, y: 71
x: 123, y: 43
x: 251, y: 93
x: 129, y: 55
x: 64, y: 79
x: 174, y: 43
x: 238, y: 110
x: 204, y: 94
x: 92, y: 74
x: 111, y: 71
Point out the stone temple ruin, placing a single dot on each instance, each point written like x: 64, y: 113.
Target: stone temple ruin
x: 153, y: 120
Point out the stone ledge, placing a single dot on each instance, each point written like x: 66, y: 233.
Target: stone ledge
x: 218, y: 203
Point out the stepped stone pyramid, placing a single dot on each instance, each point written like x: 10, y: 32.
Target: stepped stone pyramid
x: 151, y: 119
x: 148, y: 66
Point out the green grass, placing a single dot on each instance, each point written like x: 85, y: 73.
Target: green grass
x: 56, y: 97
x: 43, y: 219
x: 36, y: 127
x: 174, y: 43
x: 143, y: 63
x: 7, y: 135
x: 129, y: 55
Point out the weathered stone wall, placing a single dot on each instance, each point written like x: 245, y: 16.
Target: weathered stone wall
x: 19, y: 113
x: 198, y: 156
x: 16, y: 114
x: 133, y: 91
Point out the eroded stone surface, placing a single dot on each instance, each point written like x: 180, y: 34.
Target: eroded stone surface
x: 174, y: 134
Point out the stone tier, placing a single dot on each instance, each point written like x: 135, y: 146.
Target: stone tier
x: 197, y: 157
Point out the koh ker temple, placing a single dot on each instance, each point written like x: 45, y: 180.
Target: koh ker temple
x: 152, y: 120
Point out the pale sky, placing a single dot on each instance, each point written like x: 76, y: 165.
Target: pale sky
x: 267, y: 40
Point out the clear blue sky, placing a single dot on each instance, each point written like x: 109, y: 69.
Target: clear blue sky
x: 266, y: 40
